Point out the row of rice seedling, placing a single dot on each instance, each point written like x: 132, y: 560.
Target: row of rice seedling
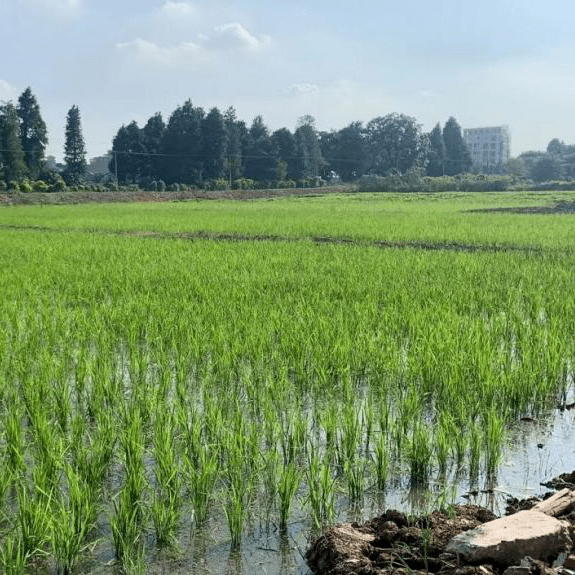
x: 149, y: 387
x: 435, y: 217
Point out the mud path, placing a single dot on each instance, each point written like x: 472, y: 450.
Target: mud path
x: 238, y: 237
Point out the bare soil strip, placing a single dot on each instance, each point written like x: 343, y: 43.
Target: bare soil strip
x: 558, y: 208
x: 237, y: 237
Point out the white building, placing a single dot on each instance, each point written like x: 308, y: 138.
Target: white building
x: 488, y: 147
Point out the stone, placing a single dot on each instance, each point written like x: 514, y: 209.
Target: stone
x: 570, y: 562
x: 509, y: 539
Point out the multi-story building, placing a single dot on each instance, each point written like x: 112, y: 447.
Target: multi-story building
x: 489, y: 147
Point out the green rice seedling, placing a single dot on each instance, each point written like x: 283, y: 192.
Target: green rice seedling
x: 419, y: 454
x: 349, y: 436
x: 34, y: 519
x: 13, y: 557
x: 321, y: 491
x: 167, y: 501
x: 201, y: 477
x: 442, y: 441
x: 494, y: 437
x: 354, y: 472
x: 73, y: 518
x: 130, y: 503
x: 270, y: 472
x: 289, y: 482
x: 126, y: 526
x: 475, y: 448
x: 14, y: 441
x: 235, y: 510
x: 381, y: 461
x: 368, y: 420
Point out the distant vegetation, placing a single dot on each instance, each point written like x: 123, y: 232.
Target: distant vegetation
x: 216, y: 150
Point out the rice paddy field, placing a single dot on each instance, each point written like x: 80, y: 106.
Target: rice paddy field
x: 199, y: 387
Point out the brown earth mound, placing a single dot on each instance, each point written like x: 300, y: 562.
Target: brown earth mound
x: 390, y: 544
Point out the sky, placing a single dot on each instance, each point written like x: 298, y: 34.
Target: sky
x: 487, y: 63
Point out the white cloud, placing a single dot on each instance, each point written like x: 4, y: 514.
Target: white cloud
x: 305, y: 88
x: 233, y: 36
x: 177, y: 10
x: 7, y: 91
x: 184, y: 55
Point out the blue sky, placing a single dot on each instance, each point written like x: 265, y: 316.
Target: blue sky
x: 485, y: 62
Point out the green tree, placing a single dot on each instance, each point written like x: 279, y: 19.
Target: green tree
x: 260, y: 159
x: 396, y: 144
x: 152, y: 134
x: 307, y: 148
x: 436, y: 156
x: 556, y: 146
x: 12, y: 165
x: 74, y: 150
x: 128, y: 154
x: 284, y: 143
x: 457, y: 156
x: 346, y: 151
x: 182, y: 145
x: 214, y: 144
x: 234, y: 145
x: 33, y: 133
x: 546, y: 168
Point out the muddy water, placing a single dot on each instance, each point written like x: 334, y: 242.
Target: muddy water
x: 537, y: 451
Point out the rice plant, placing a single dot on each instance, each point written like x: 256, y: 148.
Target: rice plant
x: 289, y: 481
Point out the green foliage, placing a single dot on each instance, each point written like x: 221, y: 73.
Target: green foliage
x: 41, y: 186
x: 33, y: 133
x: 457, y: 157
x: 12, y: 164
x: 26, y: 186
x: 396, y: 144
x: 242, y: 184
x: 74, y: 150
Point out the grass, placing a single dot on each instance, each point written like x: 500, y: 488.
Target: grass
x: 174, y: 383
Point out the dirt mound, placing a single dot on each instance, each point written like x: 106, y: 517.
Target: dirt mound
x: 562, y: 481
x: 392, y: 544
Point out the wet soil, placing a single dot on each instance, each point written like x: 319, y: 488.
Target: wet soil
x: 395, y: 544
x: 558, y: 208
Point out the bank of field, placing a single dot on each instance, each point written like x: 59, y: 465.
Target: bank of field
x: 153, y: 385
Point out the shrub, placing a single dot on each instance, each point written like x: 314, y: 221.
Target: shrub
x: 161, y: 186
x: 3, y: 186
x: 41, y: 186
x: 14, y: 186
x: 243, y: 184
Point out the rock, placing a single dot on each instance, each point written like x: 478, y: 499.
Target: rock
x: 560, y: 503
x: 510, y: 539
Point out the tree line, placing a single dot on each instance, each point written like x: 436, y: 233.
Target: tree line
x: 198, y: 148
x: 195, y: 147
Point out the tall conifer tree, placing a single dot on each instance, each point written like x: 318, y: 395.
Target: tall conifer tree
x: 33, y: 133
x: 12, y: 166
x: 74, y: 151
